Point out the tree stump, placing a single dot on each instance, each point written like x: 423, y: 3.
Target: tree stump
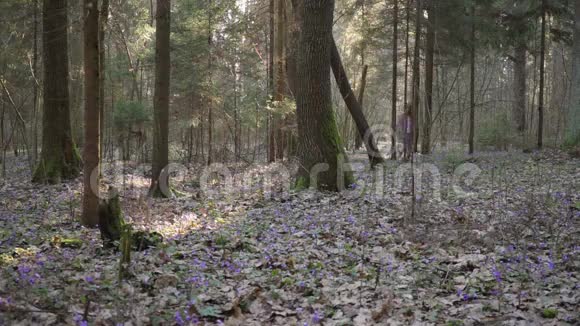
x: 112, y: 224
x: 111, y: 219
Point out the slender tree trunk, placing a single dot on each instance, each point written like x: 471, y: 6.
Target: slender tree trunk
x: 109, y: 144
x: 361, y: 92
x: 472, y: 84
x: 520, y: 86
x: 210, y: 90
x: 91, y: 144
x: 280, y: 77
x: 542, y: 63
x: 394, y: 82
x: 35, y: 83
x: 429, y: 56
x: 416, y: 76
x: 104, y: 17
x: 358, y: 139
x: 60, y: 158
x: 317, y: 130
x: 572, y: 136
x: 408, y: 16
x: 237, y: 134
x: 159, y: 176
x: 354, y: 106
x: 271, y: 88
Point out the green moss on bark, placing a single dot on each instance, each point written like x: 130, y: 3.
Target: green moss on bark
x: 111, y: 220
x: 56, y: 168
x: 331, y: 134
x: 302, y: 183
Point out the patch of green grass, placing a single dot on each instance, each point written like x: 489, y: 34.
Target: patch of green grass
x: 549, y: 313
x: 454, y: 323
x: 453, y: 159
x: 222, y: 240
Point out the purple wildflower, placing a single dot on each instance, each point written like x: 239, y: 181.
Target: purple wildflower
x: 178, y: 319
x: 496, y: 273
x: 316, y: 318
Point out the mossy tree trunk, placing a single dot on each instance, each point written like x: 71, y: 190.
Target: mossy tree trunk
x: 319, y: 140
x: 60, y: 159
x: 159, y: 179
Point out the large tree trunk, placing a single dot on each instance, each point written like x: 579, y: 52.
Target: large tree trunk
x: 159, y: 177
x: 353, y: 105
x: 90, y: 215
x: 317, y: 131
x: 472, y: 84
x: 394, y: 82
x: 59, y: 159
x: 542, y: 61
x: 573, y: 130
x: 429, y: 56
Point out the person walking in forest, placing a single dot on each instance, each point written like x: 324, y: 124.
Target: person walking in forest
x: 405, y: 132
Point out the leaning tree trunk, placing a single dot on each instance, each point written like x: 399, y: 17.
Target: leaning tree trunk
x: 159, y: 177
x: 354, y: 106
x: 60, y: 158
x: 318, y: 136
x: 573, y: 130
x: 90, y: 215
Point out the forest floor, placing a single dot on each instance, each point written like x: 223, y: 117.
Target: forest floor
x: 501, y: 247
